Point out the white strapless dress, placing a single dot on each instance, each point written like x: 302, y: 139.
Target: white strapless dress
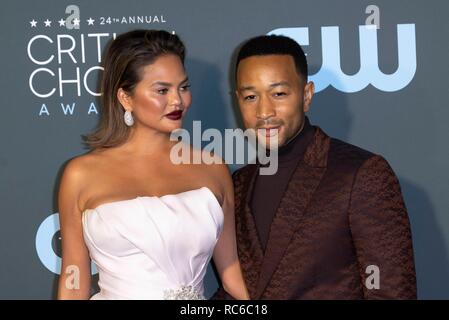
x: 153, y: 247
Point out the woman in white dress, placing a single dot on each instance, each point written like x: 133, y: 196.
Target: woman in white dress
x: 151, y: 226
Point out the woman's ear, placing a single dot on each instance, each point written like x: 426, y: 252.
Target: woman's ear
x: 309, y: 90
x: 125, y: 99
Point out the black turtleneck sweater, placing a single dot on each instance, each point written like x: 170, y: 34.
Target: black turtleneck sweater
x: 269, y: 189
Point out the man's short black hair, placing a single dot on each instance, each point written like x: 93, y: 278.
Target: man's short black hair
x: 274, y: 44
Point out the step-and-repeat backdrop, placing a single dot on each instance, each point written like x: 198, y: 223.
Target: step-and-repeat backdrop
x: 380, y: 70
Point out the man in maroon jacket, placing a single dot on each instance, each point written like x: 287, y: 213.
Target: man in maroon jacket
x: 331, y: 222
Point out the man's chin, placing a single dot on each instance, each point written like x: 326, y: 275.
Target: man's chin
x: 271, y: 143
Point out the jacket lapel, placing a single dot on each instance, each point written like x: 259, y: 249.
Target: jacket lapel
x: 292, y: 207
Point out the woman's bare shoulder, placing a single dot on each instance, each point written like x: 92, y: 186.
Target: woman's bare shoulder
x: 72, y: 183
x: 77, y: 170
x: 79, y: 165
x: 219, y: 171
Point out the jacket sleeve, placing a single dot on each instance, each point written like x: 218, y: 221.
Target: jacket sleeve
x: 381, y: 233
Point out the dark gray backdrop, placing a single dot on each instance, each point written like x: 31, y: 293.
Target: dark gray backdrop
x: 407, y: 126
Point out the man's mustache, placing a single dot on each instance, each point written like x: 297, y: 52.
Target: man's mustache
x: 269, y: 123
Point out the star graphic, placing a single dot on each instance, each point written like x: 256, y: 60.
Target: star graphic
x: 33, y: 23
x: 47, y: 23
x: 76, y: 22
x: 61, y: 22
x: 90, y: 21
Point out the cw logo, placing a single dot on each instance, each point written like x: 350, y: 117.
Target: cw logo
x: 44, y: 248
x: 369, y: 73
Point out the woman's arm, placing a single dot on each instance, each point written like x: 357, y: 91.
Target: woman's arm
x: 74, y: 281
x: 225, y: 253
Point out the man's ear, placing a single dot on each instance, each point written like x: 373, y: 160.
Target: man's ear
x: 309, y: 90
x: 125, y: 99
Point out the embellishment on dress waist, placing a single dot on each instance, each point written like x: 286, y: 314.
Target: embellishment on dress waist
x: 183, y: 293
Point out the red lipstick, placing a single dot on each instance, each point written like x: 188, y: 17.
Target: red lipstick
x: 175, y: 115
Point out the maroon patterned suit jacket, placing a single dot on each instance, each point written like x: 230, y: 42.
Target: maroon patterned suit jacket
x: 341, y: 213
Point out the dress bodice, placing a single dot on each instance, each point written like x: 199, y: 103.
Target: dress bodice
x: 153, y: 247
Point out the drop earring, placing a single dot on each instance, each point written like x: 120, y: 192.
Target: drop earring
x: 128, y: 117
